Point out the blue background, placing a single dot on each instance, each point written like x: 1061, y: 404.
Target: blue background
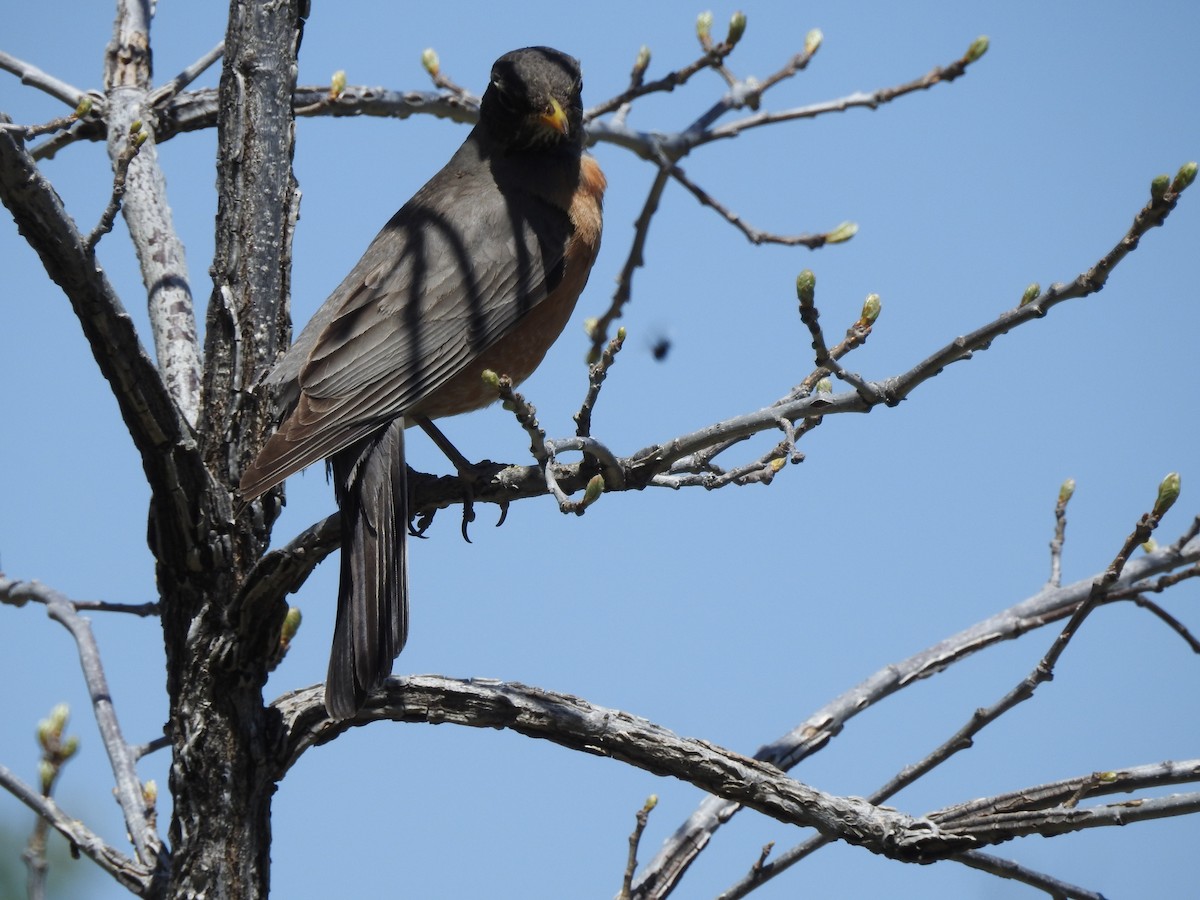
x: 733, y: 615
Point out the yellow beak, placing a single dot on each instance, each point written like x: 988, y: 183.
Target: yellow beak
x: 555, y: 118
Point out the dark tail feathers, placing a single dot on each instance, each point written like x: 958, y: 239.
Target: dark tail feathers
x: 372, y: 616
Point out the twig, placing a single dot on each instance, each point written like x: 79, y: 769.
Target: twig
x: 1060, y: 528
x: 976, y: 859
x: 56, y: 752
x: 1069, y: 791
x: 637, y: 77
x: 872, y: 100
x: 1013, y: 871
x: 1141, y: 533
x: 809, y: 315
x: 597, y: 372
x: 1024, y: 690
x: 59, y: 124
x: 1002, y: 826
x: 120, y: 170
x: 754, y: 235
x: 35, y: 77
x: 132, y: 875
x: 794, y: 66
x: 640, y: 88
x: 856, y: 336
x: 660, y: 457
x: 145, y: 610
x: 1171, y: 622
x: 758, y: 471
x: 82, y: 130
x: 197, y: 110
x: 818, y: 729
x: 526, y: 416
x: 1042, y: 672
x: 166, y: 91
x: 140, y: 750
x: 610, y: 475
x: 634, y: 261
x: 128, y: 786
x: 1186, y: 538
x: 432, y: 65
x: 635, y: 838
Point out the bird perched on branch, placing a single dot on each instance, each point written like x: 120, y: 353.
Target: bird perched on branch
x: 479, y: 270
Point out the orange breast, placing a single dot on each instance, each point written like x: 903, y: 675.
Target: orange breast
x: 520, y: 351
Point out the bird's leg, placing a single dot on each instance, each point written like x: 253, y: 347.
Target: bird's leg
x: 468, y: 472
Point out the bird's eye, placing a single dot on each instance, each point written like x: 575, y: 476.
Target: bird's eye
x: 502, y: 97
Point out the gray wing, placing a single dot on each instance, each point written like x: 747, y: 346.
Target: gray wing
x: 449, y: 275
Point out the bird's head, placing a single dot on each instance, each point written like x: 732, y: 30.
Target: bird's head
x: 533, y: 100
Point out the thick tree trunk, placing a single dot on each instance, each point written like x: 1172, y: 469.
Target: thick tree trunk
x: 224, y: 768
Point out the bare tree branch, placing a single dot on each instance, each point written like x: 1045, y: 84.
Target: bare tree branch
x: 811, y: 735
x: 892, y: 391
x: 635, y: 838
x: 163, y: 437
x: 1006, y: 868
x: 282, y: 572
x: 144, y: 610
x: 634, y: 261
x: 578, y: 725
x: 1060, y: 531
x: 133, y: 142
x: 965, y: 736
x: 146, y: 210
x: 754, y: 235
x: 197, y: 110
x: 1162, y: 615
x: 165, y: 92
x: 997, y: 827
x: 1068, y: 792
x: 712, y: 57
x: 128, y: 786
x: 134, y: 876
x: 35, y: 77
x: 669, y: 463
x: 975, y: 859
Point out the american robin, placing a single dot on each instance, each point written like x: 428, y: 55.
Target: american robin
x: 479, y: 270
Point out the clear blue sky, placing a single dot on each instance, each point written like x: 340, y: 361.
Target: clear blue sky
x: 733, y: 615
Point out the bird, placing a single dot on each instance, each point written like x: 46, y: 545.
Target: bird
x: 479, y: 271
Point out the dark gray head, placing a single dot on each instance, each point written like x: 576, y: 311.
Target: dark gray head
x: 533, y: 100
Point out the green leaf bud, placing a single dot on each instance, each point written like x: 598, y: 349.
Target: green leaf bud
x: 1066, y: 491
x: 1168, y: 493
x: 429, y: 59
x: 806, y: 286
x: 737, y: 27
x: 595, y: 487
x: 1185, y: 176
x: 978, y: 47
x: 842, y: 233
x: 870, y: 309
